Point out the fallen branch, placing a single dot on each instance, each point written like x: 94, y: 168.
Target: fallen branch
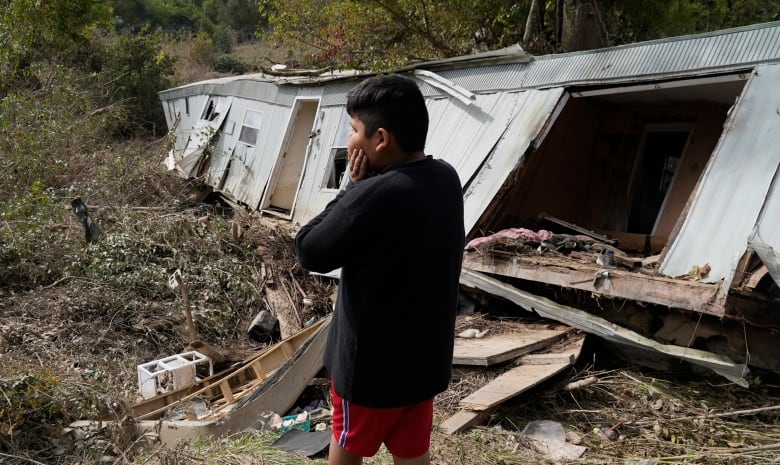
x: 574, y: 385
x: 712, y: 415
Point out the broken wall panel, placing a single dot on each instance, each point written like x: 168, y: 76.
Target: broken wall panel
x: 583, y: 172
x: 734, y: 186
x: 534, y: 113
x: 465, y: 135
x: 251, y: 164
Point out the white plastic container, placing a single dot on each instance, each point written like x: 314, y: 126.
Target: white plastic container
x: 171, y: 373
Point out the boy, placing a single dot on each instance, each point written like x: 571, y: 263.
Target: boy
x: 396, y: 232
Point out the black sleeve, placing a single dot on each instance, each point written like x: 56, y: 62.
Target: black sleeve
x: 323, y: 244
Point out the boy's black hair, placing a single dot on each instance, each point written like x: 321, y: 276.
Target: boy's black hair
x: 393, y: 102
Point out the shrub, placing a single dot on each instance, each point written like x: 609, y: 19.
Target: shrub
x: 203, y: 50
x: 134, y: 69
x: 230, y: 64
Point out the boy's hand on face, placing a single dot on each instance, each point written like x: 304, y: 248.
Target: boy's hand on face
x: 358, y: 166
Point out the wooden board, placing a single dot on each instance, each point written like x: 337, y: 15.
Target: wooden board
x: 509, y: 384
x: 534, y: 369
x: 463, y: 420
x: 502, y: 347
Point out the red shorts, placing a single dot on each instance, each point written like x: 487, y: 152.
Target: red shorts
x: 406, y: 431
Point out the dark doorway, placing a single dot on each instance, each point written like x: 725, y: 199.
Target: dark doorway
x: 659, y: 158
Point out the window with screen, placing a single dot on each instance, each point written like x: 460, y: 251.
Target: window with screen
x: 250, y: 129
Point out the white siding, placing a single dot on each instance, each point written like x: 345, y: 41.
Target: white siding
x: 734, y: 186
x: 250, y: 168
x: 312, y: 197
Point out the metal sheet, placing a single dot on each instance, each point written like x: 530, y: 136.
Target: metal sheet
x: 733, y: 188
x: 203, y: 132
x: 465, y: 135
x: 533, y: 113
x: 765, y: 239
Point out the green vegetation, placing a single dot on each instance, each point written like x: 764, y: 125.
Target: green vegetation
x: 383, y: 34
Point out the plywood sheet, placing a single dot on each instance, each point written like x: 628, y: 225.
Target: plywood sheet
x: 502, y: 347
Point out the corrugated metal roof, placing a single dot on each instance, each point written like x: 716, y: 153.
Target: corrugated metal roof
x: 709, y: 53
x: 734, y: 185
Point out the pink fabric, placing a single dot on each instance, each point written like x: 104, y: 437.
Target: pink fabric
x: 512, y: 233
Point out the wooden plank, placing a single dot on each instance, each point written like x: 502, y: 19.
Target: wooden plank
x: 287, y: 349
x: 227, y: 392
x: 476, y: 408
x: 756, y: 277
x: 520, y: 379
x: 510, y: 384
x: 546, y: 359
x: 688, y: 295
x: 502, y: 347
x: 258, y: 369
x: 463, y: 420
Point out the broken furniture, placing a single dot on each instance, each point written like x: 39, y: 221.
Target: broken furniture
x: 271, y: 380
x: 171, y: 373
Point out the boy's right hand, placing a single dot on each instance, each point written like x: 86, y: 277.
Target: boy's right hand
x: 358, y: 166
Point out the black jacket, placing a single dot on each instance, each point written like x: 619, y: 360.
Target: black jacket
x: 398, y: 238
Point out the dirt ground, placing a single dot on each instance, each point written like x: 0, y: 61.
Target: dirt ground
x: 76, y: 319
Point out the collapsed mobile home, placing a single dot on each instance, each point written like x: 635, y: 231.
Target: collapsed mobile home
x: 653, y: 165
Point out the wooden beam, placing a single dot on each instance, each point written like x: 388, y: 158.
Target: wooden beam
x: 687, y: 295
x: 547, y: 359
x: 756, y: 277
x: 227, y: 392
x: 258, y: 369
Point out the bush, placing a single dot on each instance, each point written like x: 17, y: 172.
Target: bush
x: 27, y: 408
x: 223, y: 39
x: 203, y: 51
x: 134, y: 69
x: 230, y: 64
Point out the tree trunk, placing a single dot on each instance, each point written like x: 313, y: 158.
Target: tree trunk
x: 532, y: 23
x: 582, y: 26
